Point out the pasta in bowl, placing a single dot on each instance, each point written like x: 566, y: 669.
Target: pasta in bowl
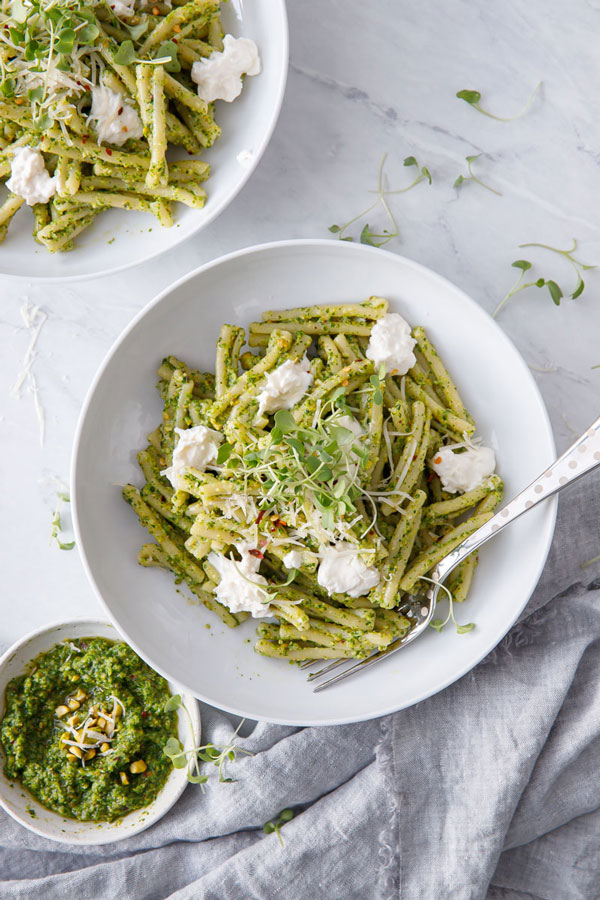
x: 110, y: 108
x: 168, y: 624
x: 316, y: 481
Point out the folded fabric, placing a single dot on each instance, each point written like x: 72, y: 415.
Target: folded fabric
x: 487, y: 790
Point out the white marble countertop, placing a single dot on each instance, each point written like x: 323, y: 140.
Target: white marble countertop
x: 364, y: 80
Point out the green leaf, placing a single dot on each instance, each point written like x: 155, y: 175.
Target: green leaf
x: 347, y: 239
x: 471, y: 97
x: 66, y: 41
x: 411, y: 161
x: 437, y: 624
x: 224, y: 452
x: 471, y: 159
x: 7, y: 88
x: 540, y: 282
x: 555, y: 292
x: 169, y: 48
x: 172, y: 703
x: 425, y: 171
x: 464, y: 629
x: 458, y: 181
x: 295, y: 445
x: 197, y: 779
x: 522, y: 264
x: 179, y: 762
x: 18, y: 11
x: 173, y: 747
x: 136, y: 31
x: 62, y: 546
x: 125, y: 54
x: 268, y: 828
x: 285, y: 421
x: 368, y: 237
x: 42, y: 123
x: 287, y: 815
x: 579, y: 289
x: 342, y: 436
x: 35, y: 95
x: 334, y: 229
x: 88, y: 34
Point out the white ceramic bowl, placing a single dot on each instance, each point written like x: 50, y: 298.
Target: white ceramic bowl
x: 219, y: 665
x: 23, y: 807
x: 247, y: 124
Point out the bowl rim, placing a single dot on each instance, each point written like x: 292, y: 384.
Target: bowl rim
x: 341, y: 247
x: 90, y: 835
x: 220, y: 208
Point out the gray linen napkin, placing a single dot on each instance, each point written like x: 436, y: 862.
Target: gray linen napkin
x: 487, y: 791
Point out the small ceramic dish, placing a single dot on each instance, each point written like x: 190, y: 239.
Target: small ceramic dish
x: 25, y: 809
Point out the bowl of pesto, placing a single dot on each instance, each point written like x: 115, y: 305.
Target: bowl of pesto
x: 83, y: 725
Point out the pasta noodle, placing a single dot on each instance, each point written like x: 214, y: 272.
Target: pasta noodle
x: 341, y: 465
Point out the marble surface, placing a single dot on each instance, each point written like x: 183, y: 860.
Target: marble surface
x: 361, y: 84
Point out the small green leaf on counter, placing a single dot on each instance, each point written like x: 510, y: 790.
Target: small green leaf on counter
x: 462, y: 179
x: 473, y: 98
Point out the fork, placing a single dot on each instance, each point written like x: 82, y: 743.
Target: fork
x: 582, y: 457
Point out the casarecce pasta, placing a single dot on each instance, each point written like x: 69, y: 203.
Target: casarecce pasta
x: 342, y: 483
x: 99, y: 92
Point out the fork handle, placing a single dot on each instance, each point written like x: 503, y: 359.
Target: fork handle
x: 578, y: 460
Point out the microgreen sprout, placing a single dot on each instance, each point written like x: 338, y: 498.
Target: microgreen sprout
x: 462, y: 179
x: 286, y: 815
x: 473, y: 99
x: 590, y: 562
x: 367, y: 235
x: 56, y: 529
x: 556, y: 292
x: 576, y: 264
x: 188, y: 759
x: 439, y: 624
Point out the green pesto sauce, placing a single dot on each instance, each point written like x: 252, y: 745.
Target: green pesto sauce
x: 30, y: 731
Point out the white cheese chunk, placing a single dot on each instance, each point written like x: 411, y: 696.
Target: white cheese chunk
x: 463, y: 471
x: 29, y: 177
x: 115, y: 119
x: 197, y: 447
x: 219, y: 77
x: 293, y: 559
x: 241, y: 588
x: 342, y: 571
x: 123, y: 8
x: 285, y: 386
x: 391, y: 345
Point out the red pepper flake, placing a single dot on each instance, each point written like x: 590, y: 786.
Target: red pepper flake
x: 84, y: 138
x: 260, y: 516
x: 120, y: 111
x: 109, y: 151
x: 438, y: 459
x: 430, y: 477
x: 144, y: 714
x: 257, y: 554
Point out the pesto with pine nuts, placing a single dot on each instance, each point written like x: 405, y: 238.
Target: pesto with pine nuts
x: 83, y: 730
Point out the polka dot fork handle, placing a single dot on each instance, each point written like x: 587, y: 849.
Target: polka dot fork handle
x: 582, y: 457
